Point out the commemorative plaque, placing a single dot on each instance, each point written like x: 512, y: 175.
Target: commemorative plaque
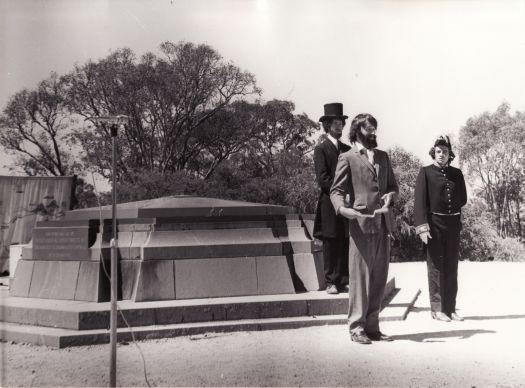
x: 62, y: 242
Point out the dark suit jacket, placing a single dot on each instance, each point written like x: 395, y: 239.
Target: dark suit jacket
x: 438, y: 190
x: 365, y: 184
x: 327, y: 223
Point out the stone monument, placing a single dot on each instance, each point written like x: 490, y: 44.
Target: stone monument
x: 178, y: 247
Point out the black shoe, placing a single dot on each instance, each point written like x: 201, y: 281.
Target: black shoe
x: 455, y: 317
x: 331, y: 289
x: 360, y: 337
x: 343, y: 288
x: 439, y: 316
x: 378, y: 336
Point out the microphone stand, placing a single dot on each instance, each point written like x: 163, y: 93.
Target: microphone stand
x: 114, y: 122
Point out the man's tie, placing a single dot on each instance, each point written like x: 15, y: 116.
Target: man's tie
x: 369, y: 155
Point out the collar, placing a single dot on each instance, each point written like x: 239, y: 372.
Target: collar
x: 361, y: 147
x: 333, y: 140
x: 438, y: 166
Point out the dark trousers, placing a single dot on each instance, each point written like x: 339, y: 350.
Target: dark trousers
x: 369, y: 258
x: 442, y: 262
x: 335, y: 257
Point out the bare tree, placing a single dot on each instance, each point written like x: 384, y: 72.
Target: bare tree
x: 35, y: 127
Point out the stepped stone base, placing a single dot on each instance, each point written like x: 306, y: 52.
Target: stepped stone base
x: 172, y: 248
x: 60, y: 323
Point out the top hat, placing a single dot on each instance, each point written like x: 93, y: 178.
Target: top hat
x: 333, y: 111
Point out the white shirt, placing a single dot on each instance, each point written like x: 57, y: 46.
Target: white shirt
x: 333, y: 140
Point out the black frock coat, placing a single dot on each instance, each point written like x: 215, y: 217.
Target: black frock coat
x: 327, y: 223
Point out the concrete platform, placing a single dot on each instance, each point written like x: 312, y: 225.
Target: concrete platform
x: 59, y: 323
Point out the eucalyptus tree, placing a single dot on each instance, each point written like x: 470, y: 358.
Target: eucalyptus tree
x: 168, y: 97
x: 492, y: 149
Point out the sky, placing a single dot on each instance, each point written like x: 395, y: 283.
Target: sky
x: 421, y: 67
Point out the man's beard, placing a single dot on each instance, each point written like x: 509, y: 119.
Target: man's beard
x: 336, y: 135
x: 368, y: 141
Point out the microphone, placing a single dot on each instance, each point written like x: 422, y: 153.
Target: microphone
x: 113, y: 121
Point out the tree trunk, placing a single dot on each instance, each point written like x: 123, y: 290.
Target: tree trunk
x: 518, y: 219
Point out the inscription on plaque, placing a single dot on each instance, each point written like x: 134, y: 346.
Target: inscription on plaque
x: 61, y: 243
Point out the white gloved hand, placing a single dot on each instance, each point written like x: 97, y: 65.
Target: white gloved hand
x: 425, y: 236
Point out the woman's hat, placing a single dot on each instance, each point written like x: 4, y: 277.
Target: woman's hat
x: 333, y: 111
x: 443, y: 141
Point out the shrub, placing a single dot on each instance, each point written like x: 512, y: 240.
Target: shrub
x: 480, y: 240
x: 510, y: 249
x: 301, y: 191
x: 153, y: 184
x: 407, y: 246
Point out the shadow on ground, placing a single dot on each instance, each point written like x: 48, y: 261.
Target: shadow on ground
x: 472, y: 317
x: 482, y: 318
x: 419, y: 309
x: 440, y: 336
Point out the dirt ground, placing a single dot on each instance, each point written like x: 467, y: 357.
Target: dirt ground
x: 488, y: 349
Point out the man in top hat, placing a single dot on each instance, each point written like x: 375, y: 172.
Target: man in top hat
x: 365, y: 175
x: 329, y: 227
x: 439, y: 195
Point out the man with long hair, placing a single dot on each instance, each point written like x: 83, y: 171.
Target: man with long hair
x: 365, y: 175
